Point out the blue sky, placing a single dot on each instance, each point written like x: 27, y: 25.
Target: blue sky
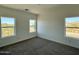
x: 7, y: 20
x: 72, y: 19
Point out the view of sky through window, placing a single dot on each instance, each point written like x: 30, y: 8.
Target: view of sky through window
x: 72, y: 19
x: 7, y: 20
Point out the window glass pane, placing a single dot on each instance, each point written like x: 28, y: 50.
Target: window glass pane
x: 6, y: 21
x: 72, y: 27
x: 32, y: 25
x: 7, y: 32
x: 7, y: 26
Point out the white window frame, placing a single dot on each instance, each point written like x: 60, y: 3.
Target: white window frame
x: 8, y: 27
x: 35, y: 26
x: 71, y: 32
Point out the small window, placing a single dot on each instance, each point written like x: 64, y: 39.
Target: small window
x: 32, y: 24
x: 72, y: 27
x: 7, y: 26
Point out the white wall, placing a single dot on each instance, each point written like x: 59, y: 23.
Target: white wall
x: 51, y: 24
x: 22, y: 25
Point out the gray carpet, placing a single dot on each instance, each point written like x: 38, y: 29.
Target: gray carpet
x: 38, y: 46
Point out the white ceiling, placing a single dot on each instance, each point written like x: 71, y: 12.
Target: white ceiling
x: 34, y: 8
x: 37, y: 8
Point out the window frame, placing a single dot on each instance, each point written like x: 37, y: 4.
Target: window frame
x: 70, y: 27
x: 14, y: 27
x: 35, y: 26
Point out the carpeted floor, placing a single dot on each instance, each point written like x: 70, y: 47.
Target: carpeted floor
x: 38, y: 46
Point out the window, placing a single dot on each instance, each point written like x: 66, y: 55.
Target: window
x: 32, y: 24
x: 72, y: 27
x: 7, y: 26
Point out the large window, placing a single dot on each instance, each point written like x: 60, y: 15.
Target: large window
x: 72, y: 27
x: 32, y: 25
x: 7, y: 26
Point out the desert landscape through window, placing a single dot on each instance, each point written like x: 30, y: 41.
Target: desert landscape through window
x: 72, y: 27
x: 7, y: 26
